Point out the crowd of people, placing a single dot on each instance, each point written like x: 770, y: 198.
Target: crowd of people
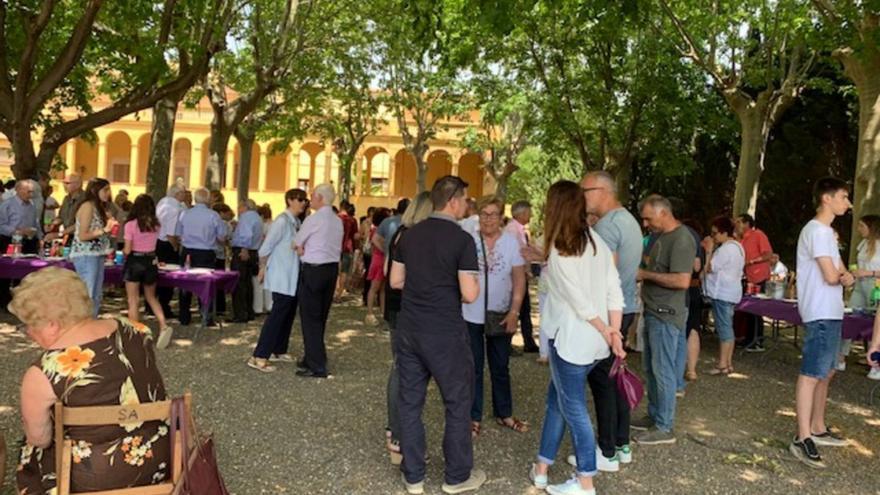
x: 449, y: 276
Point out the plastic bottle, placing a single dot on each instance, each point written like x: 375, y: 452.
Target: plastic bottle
x: 875, y: 295
x: 16, y: 244
x: 186, y: 264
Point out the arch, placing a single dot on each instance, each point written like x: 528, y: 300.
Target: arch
x: 306, y: 165
x: 118, y: 157
x: 181, y: 156
x: 376, y: 172
x: 405, y: 174
x: 143, y: 145
x: 324, y: 174
x: 276, y: 168
x: 439, y: 164
x: 470, y: 169
x: 254, y: 177
x: 86, y: 162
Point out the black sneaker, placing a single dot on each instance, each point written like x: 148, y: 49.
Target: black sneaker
x: 829, y: 439
x: 755, y: 348
x: 806, y: 452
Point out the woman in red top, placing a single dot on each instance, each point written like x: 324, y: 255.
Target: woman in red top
x: 376, y: 272
x: 141, y: 267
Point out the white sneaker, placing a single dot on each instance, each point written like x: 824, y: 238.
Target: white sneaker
x: 840, y: 366
x: 874, y: 374
x: 413, y: 488
x: 625, y: 454
x: 609, y: 465
x: 570, y: 487
x: 164, y: 337
x: 538, y: 480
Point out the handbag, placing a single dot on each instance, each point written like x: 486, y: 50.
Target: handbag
x: 200, y: 474
x: 492, y: 327
x: 629, y: 384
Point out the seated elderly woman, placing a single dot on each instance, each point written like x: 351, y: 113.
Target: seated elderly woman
x: 86, y: 362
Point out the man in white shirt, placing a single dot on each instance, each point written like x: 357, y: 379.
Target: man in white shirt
x: 821, y: 279
x: 168, y: 212
x: 319, y: 245
x: 521, y: 211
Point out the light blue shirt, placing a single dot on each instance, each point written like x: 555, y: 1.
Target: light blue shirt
x: 16, y: 214
x: 623, y: 235
x: 387, y: 229
x: 249, y: 231
x: 200, y: 228
x: 282, y: 270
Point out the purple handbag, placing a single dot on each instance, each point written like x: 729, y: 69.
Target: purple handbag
x: 628, y: 383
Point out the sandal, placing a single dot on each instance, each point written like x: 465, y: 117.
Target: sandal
x: 691, y: 376
x: 260, y: 365
x: 475, y: 429
x: 721, y: 371
x: 514, y: 424
x: 393, y: 448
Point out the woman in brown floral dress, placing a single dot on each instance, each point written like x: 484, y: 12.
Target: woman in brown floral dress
x: 86, y: 362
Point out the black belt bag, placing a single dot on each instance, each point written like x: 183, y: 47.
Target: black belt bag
x: 493, y: 326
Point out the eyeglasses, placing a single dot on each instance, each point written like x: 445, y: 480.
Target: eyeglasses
x: 487, y: 215
x: 588, y: 189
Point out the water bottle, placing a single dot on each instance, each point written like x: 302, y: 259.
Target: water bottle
x: 16, y: 244
x: 186, y: 264
x: 875, y: 295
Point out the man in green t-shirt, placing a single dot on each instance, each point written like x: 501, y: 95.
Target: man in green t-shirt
x: 665, y: 281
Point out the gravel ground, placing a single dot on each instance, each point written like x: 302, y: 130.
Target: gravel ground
x: 278, y: 433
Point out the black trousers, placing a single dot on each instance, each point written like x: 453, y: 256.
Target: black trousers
x: 445, y: 356
x: 275, y: 335
x: 28, y: 246
x: 243, y: 296
x: 612, y: 410
x: 368, y: 258
x: 198, y: 258
x: 755, y: 326
x: 495, y: 350
x: 525, y: 322
x: 315, y: 293
x: 165, y: 253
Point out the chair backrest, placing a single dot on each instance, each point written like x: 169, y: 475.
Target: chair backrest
x: 114, y: 415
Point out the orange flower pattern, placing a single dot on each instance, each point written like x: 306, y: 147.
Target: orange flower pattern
x: 74, y: 361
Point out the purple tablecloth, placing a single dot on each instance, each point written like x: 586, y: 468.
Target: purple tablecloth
x: 203, y: 285
x: 856, y: 326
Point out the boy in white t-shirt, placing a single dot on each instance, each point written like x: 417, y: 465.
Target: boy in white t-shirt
x: 821, y: 279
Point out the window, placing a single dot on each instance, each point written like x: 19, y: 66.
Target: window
x: 380, y: 172
x: 119, y: 173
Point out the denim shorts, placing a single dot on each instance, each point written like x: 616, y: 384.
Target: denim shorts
x: 821, y: 342
x: 723, y: 312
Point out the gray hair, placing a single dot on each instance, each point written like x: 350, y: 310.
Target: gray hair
x: 327, y: 193
x: 657, y: 202
x: 24, y: 183
x: 202, y: 196
x: 605, y: 178
x: 173, y: 191
x: 250, y: 204
x: 519, y: 207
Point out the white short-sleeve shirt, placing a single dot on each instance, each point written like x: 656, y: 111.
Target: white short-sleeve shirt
x: 816, y: 299
x: 501, y: 259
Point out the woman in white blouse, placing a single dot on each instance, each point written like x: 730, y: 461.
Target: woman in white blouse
x: 868, y: 272
x: 582, y: 318
x: 725, y: 260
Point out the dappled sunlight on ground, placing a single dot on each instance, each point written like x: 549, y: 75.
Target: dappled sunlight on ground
x: 786, y: 412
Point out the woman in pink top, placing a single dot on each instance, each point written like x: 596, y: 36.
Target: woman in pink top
x: 141, y: 267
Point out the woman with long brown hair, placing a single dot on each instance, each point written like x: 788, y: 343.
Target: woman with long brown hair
x: 91, y: 239
x: 582, y: 318
x: 866, y: 275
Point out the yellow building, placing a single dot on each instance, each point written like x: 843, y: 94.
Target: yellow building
x: 385, y: 171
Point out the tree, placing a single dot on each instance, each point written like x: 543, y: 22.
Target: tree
x: 853, y: 29
x: 423, y: 91
x: 757, y: 57
x: 55, y: 56
x: 278, y: 44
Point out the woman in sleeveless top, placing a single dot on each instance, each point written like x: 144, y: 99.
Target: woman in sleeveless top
x: 91, y: 239
x: 86, y: 362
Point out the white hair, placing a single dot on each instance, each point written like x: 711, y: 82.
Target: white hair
x: 202, y: 196
x: 173, y: 190
x: 327, y: 193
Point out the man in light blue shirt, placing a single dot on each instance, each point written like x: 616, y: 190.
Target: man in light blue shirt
x: 18, y: 217
x: 199, y: 229
x: 245, y: 241
x: 621, y: 232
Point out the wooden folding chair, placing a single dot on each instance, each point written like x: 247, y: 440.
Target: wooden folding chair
x: 113, y: 415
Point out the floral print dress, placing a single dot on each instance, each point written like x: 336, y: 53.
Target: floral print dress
x: 117, y: 369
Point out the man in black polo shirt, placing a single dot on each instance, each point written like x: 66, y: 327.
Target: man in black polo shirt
x: 436, y: 266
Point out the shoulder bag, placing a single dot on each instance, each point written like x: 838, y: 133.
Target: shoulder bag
x: 492, y: 326
x: 200, y: 474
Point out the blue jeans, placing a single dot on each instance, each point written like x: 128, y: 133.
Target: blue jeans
x: 661, y: 349
x: 681, y: 357
x: 91, y: 270
x: 723, y: 312
x: 497, y: 349
x: 821, y: 341
x: 567, y: 406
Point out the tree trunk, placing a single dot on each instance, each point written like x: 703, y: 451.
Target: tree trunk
x: 25, y: 165
x: 161, y: 142
x: 753, y: 147
x: 344, y: 179
x: 421, y: 173
x: 246, y: 144
x: 501, y: 186
x: 864, y: 70
x: 215, y: 170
